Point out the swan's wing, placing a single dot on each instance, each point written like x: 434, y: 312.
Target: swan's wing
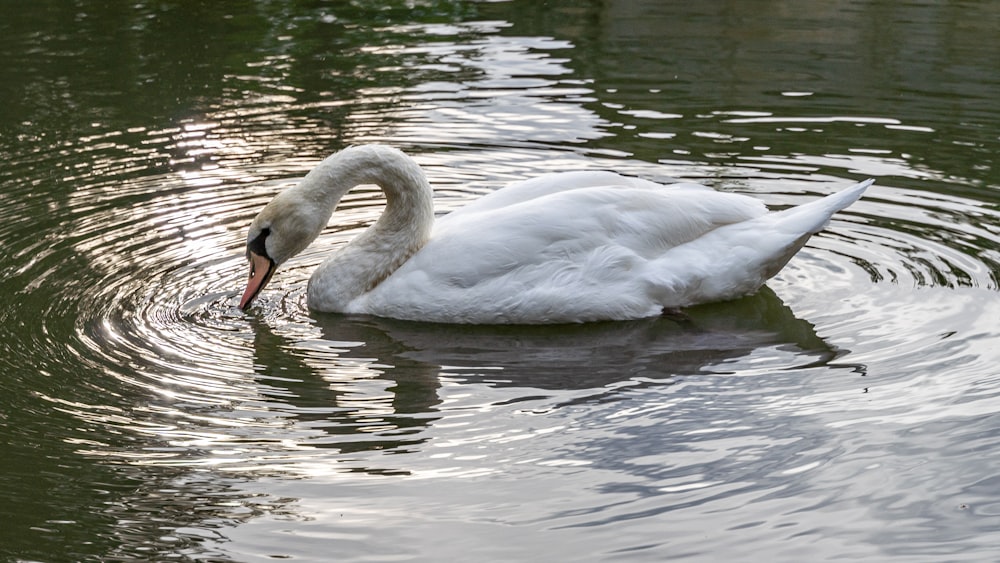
x: 562, y: 251
x: 550, y: 184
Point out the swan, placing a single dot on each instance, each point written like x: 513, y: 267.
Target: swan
x: 564, y: 247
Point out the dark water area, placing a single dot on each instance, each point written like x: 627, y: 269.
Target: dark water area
x: 847, y: 411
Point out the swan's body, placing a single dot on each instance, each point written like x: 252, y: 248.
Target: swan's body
x: 570, y: 247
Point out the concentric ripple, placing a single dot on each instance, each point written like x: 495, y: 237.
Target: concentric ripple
x: 161, y: 265
x: 150, y: 268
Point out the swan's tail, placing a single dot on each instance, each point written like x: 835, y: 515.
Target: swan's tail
x: 803, y: 221
x: 810, y: 218
x: 736, y: 259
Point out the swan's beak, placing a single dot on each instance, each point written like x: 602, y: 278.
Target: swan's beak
x: 261, y: 270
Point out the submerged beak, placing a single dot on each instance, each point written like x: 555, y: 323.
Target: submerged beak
x: 261, y: 270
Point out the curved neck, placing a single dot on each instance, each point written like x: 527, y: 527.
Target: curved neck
x: 409, y: 198
x: 400, y: 231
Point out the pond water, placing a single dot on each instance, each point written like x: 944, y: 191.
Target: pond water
x: 848, y: 410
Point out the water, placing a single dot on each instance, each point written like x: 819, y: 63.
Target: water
x: 849, y: 410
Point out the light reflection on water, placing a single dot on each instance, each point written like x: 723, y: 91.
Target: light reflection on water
x: 846, y: 411
x: 656, y: 417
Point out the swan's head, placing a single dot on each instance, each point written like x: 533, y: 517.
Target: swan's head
x: 281, y: 230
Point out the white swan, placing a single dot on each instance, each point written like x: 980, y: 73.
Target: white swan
x: 569, y: 247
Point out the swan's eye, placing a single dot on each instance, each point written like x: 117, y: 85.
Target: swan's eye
x: 257, y: 245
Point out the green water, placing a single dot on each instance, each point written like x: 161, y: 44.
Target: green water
x: 850, y: 410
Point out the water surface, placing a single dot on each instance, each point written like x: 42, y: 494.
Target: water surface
x: 848, y: 410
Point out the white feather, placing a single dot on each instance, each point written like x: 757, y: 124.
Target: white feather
x: 571, y: 247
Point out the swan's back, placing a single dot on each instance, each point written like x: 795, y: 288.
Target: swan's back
x: 549, y: 184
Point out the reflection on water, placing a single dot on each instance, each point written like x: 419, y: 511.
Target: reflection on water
x: 590, y: 356
x: 848, y: 409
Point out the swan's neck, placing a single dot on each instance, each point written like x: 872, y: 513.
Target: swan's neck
x: 400, y: 231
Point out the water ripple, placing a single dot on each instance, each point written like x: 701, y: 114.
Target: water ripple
x: 159, y: 267
x: 137, y: 282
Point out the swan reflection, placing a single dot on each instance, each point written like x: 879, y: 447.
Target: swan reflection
x: 372, y: 383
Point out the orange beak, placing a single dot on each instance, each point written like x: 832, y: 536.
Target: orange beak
x: 261, y: 270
